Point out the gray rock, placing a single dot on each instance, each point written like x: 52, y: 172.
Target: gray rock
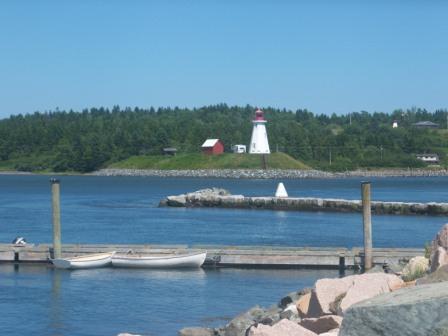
x: 239, y: 325
x: 176, y: 201
x: 288, y: 299
x: 438, y: 276
x: 196, y: 332
x: 415, y: 311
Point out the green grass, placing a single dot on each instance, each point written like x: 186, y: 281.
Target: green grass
x: 201, y: 161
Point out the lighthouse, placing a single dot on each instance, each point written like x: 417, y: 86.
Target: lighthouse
x: 259, y: 141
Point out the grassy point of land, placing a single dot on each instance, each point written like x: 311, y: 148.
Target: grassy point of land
x: 201, y: 161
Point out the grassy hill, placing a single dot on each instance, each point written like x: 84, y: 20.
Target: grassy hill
x: 201, y: 161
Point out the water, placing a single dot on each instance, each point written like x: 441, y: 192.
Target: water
x: 124, y: 210
x: 36, y: 300
x: 42, y: 301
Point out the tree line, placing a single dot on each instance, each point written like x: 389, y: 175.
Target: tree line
x: 93, y: 138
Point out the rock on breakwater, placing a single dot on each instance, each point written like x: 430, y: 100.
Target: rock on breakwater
x: 223, y: 199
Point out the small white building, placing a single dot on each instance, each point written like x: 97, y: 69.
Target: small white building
x: 239, y: 149
x: 395, y: 124
x: 428, y: 158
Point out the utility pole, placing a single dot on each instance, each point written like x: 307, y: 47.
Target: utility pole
x: 350, y: 118
x: 330, y: 155
x: 381, y: 151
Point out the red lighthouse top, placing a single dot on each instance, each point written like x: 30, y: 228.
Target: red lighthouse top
x: 259, y: 115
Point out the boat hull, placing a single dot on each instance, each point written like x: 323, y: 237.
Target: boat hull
x: 83, y: 262
x: 173, y: 261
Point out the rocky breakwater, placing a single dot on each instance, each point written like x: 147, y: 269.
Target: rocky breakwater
x: 221, y: 198
x: 381, y: 302
x: 309, y: 312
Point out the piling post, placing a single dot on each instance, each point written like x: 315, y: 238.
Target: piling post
x: 367, y: 223
x: 56, y: 218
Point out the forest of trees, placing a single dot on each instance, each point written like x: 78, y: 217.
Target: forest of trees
x: 91, y: 139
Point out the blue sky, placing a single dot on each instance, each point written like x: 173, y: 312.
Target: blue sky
x: 326, y: 56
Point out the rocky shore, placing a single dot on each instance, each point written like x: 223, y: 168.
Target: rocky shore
x: 380, y: 302
x: 270, y: 173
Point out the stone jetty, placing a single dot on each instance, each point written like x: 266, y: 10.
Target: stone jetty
x: 220, y: 198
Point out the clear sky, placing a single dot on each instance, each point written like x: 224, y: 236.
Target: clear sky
x: 326, y: 56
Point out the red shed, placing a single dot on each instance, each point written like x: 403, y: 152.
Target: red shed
x: 212, y: 147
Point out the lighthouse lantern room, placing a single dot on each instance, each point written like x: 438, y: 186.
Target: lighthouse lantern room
x: 259, y: 141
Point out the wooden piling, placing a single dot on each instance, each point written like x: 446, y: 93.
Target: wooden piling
x: 56, y: 218
x: 367, y: 223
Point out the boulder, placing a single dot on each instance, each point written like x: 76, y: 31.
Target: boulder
x: 282, y: 328
x: 196, y: 332
x: 366, y: 286
x: 334, y: 332
x: 439, y: 257
x: 441, y: 238
x: 303, y: 304
x: 439, y: 249
x: 413, y: 311
x: 334, y: 296
x: 438, y: 276
x: 288, y: 299
x: 322, y: 324
x: 290, y: 313
x: 239, y: 325
x: 325, y: 293
x: 415, y: 268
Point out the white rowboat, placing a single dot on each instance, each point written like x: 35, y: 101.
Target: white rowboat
x: 170, y: 261
x: 86, y: 261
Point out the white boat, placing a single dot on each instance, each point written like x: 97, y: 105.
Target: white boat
x: 85, y: 261
x: 169, y: 261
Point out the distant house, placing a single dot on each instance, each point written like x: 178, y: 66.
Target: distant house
x: 212, y: 147
x: 426, y: 124
x: 239, y: 149
x: 395, y: 124
x: 169, y: 151
x: 428, y: 158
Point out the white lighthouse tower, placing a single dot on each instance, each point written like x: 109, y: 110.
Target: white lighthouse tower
x: 259, y: 141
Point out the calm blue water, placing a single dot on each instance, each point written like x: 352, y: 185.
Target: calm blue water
x: 124, y: 210
x: 42, y: 301
x: 36, y: 300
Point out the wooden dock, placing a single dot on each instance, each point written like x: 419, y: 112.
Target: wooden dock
x: 226, y: 256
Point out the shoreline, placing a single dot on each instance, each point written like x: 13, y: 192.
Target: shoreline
x: 247, y: 173
x: 270, y: 173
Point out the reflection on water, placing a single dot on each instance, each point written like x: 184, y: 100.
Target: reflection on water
x: 107, y: 301
x: 135, y: 273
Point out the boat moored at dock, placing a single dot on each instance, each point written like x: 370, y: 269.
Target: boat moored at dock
x: 168, y: 261
x: 85, y: 261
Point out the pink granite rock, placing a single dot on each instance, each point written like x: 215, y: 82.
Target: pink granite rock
x: 366, y: 286
x: 322, y: 324
x: 303, y: 305
x: 439, y: 257
x: 282, y: 328
x: 439, y: 249
x: 441, y: 238
x: 325, y: 293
